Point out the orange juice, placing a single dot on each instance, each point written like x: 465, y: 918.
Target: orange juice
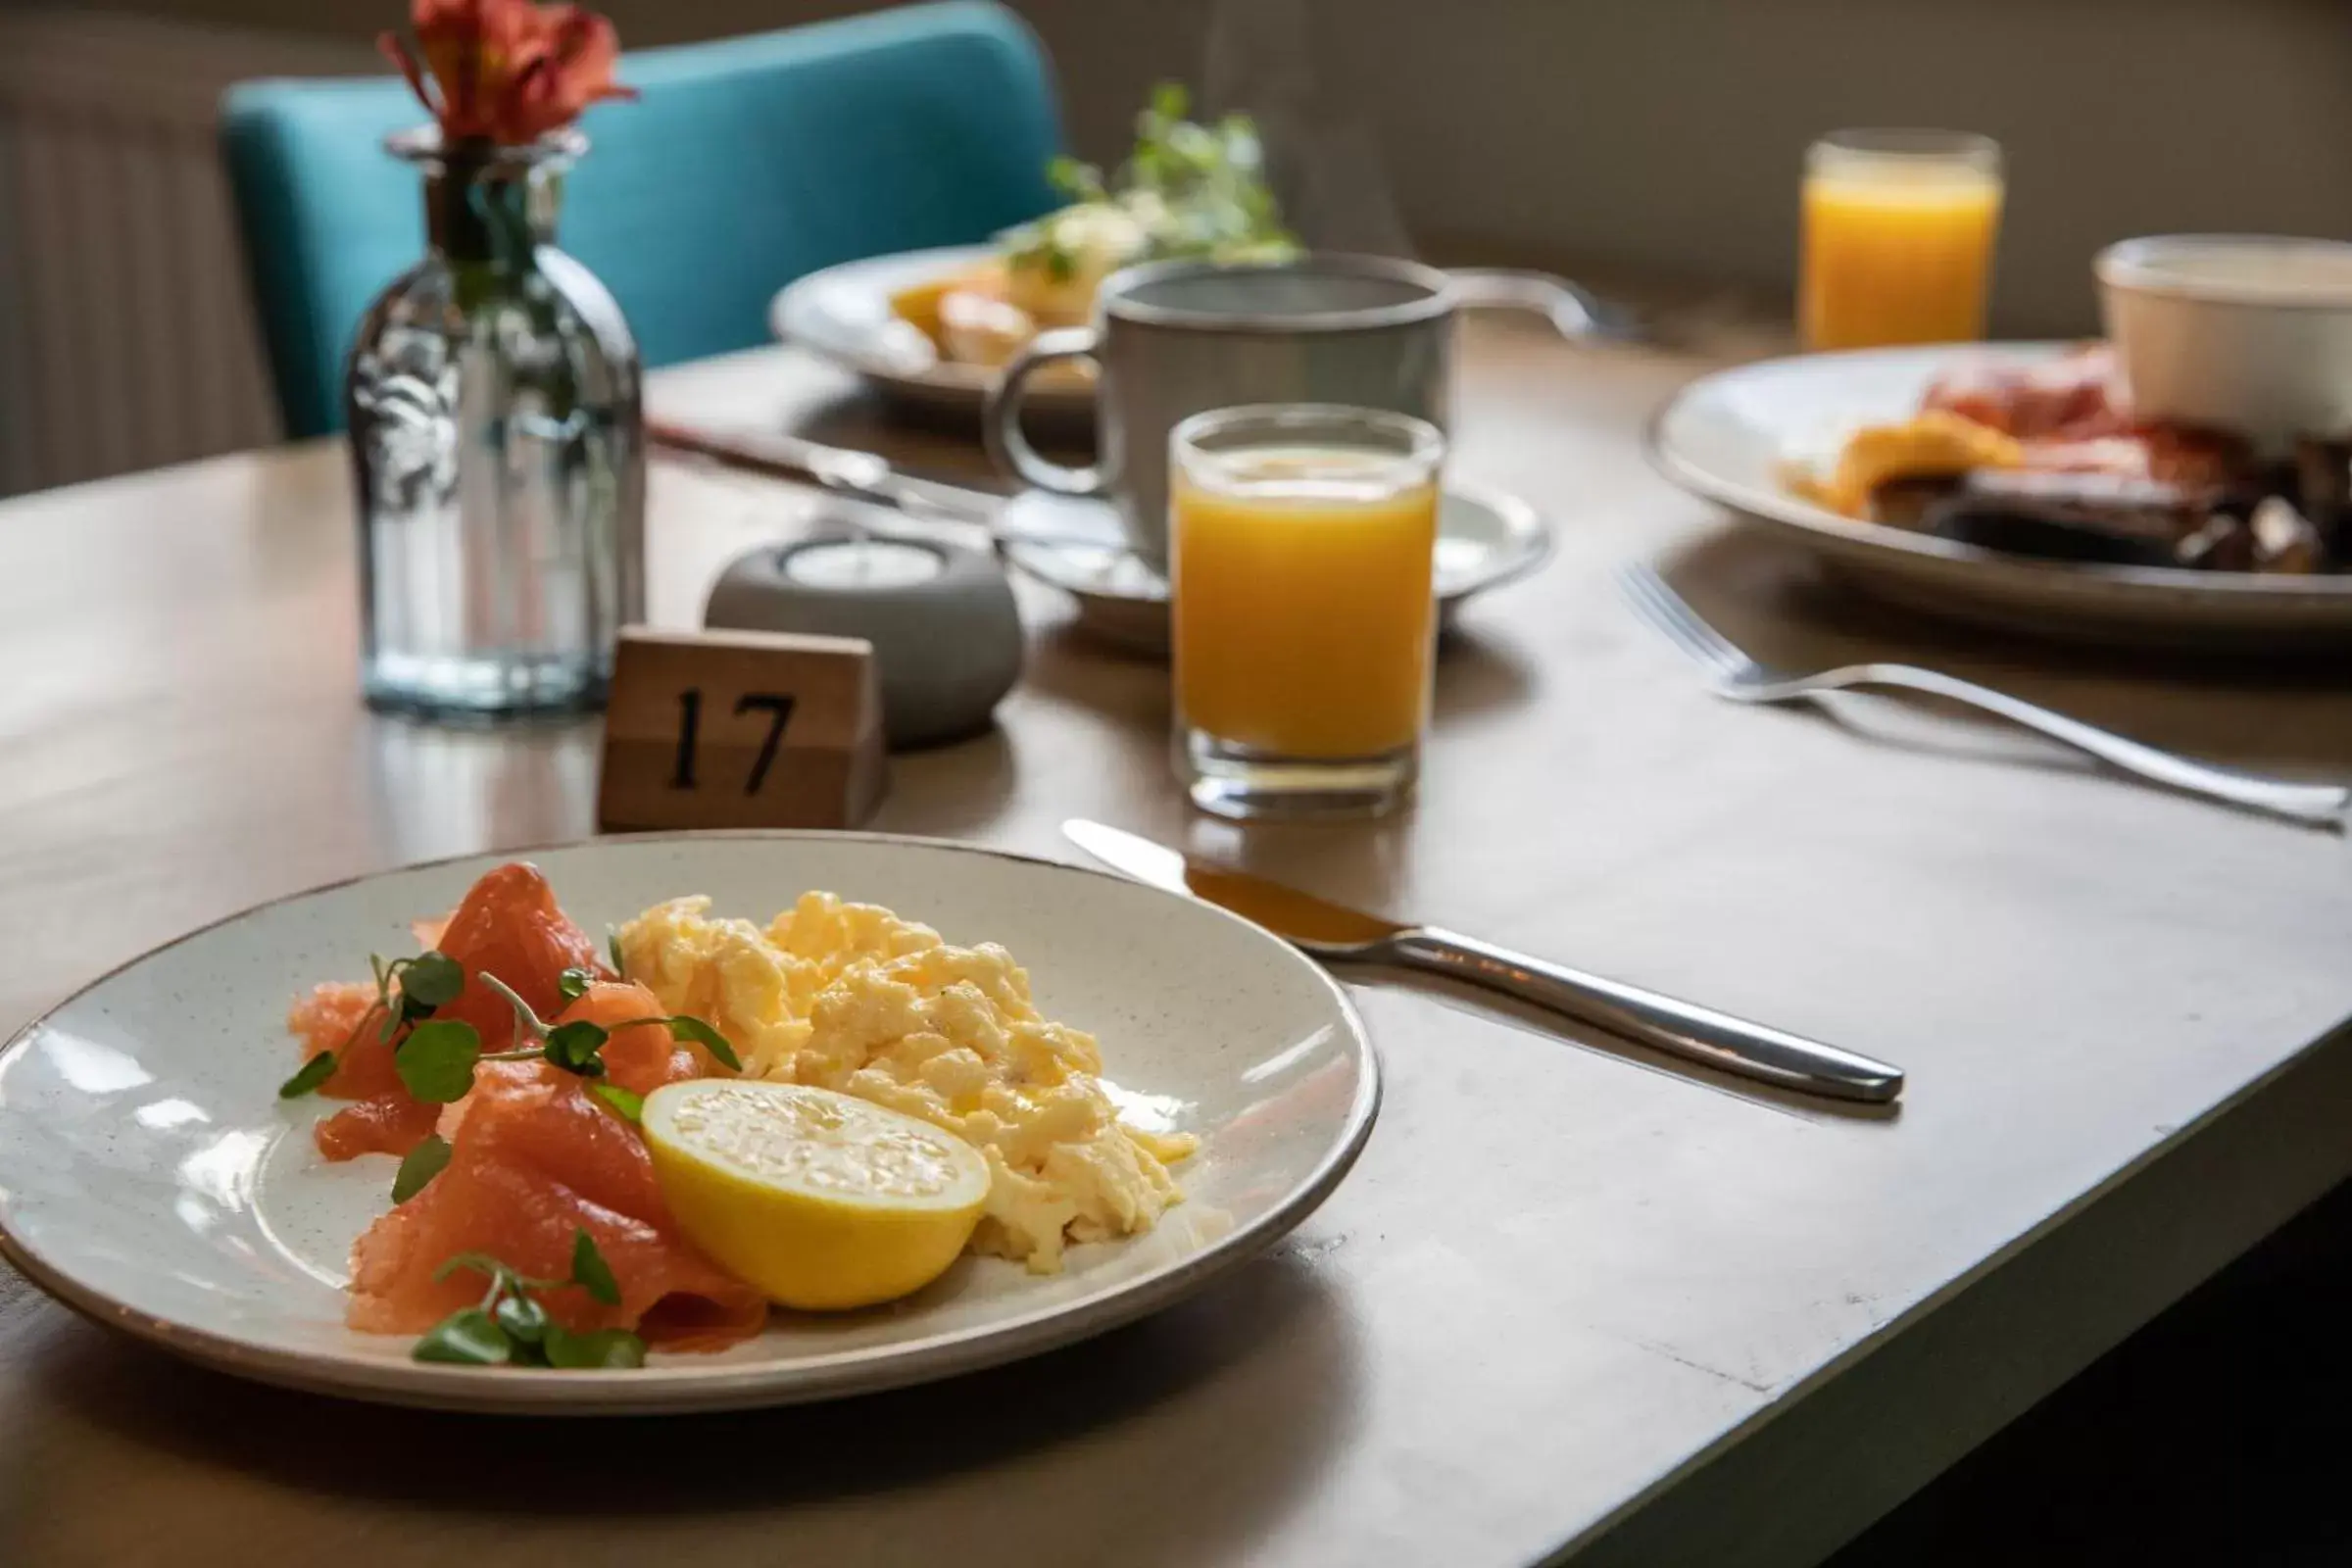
x: 1897, y: 247
x: 1303, y: 609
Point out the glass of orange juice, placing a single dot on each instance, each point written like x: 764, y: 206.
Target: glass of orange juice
x: 1302, y: 544
x: 1898, y: 236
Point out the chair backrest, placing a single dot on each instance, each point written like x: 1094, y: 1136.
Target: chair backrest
x: 743, y: 164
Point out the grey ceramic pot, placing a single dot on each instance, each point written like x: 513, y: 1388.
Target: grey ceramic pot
x: 946, y: 633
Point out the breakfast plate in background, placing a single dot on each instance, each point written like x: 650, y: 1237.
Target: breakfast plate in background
x: 930, y: 329
x: 151, y: 1177
x: 1486, y: 538
x: 1733, y: 436
x: 849, y: 315
x: 2187, y: 482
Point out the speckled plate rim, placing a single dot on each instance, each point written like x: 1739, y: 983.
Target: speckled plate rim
x: 674, y: 1388
x: 1671, y: 456
x: 797, y: 316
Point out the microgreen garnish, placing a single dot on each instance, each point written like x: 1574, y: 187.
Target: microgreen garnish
x: 511, y: 1327
x: 574, y: 1047
x: 483, y: 1263
x: 433, y: 979
x: 467, y: 1338
x: 602, y: 1351
x: 621, y: 968
x: 591, y: 1273
x: 436, y: 1061
x: 686, y: 1030
x: 522, y: 1318
x: 436, y: 1058
x: 308, y: 1076
x: 418, y: 1166
x: 526, y: 1018
x: 627, y: 1101
x: 430, y: 981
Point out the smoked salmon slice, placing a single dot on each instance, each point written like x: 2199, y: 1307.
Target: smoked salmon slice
x: 640, y: 1059
x: 508, y: 925
x: 391, y: 1123
x: 344, y: 1018
x: 534, y: 1160
x: 535, y: 1156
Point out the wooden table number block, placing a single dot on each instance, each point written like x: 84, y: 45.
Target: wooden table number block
x: 740, y: 729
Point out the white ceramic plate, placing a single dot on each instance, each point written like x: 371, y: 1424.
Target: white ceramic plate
x: 844, y: 315
x: 149, y: 1177
x: 1724, y: 436
x: 1485, y: 539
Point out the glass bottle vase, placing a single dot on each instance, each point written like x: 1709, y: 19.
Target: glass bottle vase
x: 495, y: 404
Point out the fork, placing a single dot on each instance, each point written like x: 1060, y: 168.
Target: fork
x: 1732, y: 674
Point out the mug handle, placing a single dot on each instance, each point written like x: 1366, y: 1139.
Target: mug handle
x: 1000, y: 421
x: 1575, y: 313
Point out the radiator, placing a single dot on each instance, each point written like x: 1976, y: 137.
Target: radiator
x: 126, y: 340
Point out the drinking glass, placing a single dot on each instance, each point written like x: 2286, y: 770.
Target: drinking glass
x: 1301, y: 539
x: 1899, y: 237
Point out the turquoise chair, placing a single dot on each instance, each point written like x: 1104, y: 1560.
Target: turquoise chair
x: 745, y: 163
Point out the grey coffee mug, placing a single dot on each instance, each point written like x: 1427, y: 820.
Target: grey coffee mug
x: 1172, y: 339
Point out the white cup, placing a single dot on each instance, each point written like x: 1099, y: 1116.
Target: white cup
x: 2250, y: 333
x: 1172, y: 339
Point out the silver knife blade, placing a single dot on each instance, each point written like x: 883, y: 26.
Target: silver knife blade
x: 1326, y: 930
x: 870, y: 477
x: 1313, y: 923
x: 867, y: 475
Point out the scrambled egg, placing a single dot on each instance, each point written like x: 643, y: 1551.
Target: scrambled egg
x: 849, y: 997
x: 1075, y: 250
x: 1931, y: 444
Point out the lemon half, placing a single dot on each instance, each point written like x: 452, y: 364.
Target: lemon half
x: 820, y: 1200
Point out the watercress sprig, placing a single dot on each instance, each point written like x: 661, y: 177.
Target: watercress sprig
x: 437, y: 1060
x: 575, y: 1045
x: 430, y: 981
x: 418, y: 1166
x: 511, y: 1327
x: 314, y: 1072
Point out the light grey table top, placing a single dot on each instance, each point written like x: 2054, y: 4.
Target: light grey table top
x: 1570, y: 1298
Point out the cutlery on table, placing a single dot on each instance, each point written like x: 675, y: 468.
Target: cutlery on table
x: 1730, y: 672
x: 860, y: 475
x: 1333, y: 932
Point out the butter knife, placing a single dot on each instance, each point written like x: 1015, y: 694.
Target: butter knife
x: 1333, y: 932
x: 865, y: 475
x: 862, y: 476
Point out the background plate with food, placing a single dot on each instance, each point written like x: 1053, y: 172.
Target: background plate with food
x: 161, y: 1171
x: 933, y: 327
x: 2005, y: 485
x: 847, y: 315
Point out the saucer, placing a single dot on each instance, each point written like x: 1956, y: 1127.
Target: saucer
x: 1485, y: 539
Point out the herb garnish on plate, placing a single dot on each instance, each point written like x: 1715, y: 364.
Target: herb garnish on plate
x: 509, y: 1327
x: 1187, y: 189
x: 437, y: 1057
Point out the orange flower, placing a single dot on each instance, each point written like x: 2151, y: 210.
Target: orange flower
x: 505, y: 70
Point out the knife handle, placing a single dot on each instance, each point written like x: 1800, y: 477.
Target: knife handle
x: 1677, y: 1028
